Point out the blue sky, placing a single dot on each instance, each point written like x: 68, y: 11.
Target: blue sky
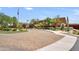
x: 28, y: 13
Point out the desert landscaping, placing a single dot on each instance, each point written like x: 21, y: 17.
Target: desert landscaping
x: 21, y: 33
x: 32, y: 40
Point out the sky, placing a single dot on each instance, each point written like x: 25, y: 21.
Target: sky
x: 29, y: 13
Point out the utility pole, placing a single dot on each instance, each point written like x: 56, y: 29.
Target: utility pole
x: 67, y: 24
x: 18, y: 14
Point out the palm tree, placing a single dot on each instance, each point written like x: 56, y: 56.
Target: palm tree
x: 15, y: 22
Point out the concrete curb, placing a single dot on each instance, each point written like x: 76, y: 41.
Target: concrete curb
x: 64, y: 44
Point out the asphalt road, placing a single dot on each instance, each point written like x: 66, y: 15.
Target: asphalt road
x: 76, y: 46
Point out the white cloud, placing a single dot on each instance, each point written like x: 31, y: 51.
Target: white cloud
x: 28, y: 8
x: 76, y: 12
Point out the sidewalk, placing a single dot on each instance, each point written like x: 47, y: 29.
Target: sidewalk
x: 64, y: 44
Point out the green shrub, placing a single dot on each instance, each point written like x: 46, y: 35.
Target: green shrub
x: 68, y: 28
x: 78, y: 33
x: 23, y: 29
x: 1, y: 28
x: 6, y: 29
x: 51, y: 28
x: 62, y: 27
x: 75, y: 32
x: 14, y: 29
x: 58, y: 28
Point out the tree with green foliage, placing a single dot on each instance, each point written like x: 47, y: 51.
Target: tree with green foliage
x: 5, y: 20
x: 48, y: 20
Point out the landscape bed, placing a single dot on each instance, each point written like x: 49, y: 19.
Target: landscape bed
x: 27, y: 41
x: 11, y: 32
